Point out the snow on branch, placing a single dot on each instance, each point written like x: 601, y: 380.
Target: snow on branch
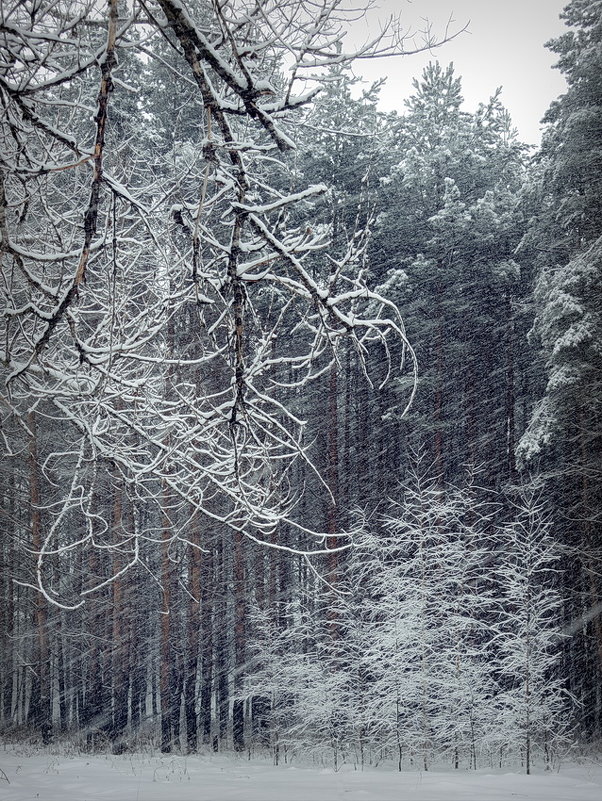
x: 165, y: 306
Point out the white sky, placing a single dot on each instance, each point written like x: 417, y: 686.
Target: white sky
x: 504, y: 46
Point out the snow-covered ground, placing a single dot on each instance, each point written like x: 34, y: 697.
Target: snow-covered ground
x: 34, y: 774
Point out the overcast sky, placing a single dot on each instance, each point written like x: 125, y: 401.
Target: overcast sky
x: 504, y: 46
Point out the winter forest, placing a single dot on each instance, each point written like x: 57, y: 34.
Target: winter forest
x: 301, y: 400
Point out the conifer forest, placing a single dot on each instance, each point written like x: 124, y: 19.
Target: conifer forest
x: 301, y: 401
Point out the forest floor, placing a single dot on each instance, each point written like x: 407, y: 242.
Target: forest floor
x: 27, y: 773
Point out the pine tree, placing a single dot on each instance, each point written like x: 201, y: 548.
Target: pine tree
x: 447, y: 235
x: 565, y: 432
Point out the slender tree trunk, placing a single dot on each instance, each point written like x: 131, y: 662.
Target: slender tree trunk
x: 166, y: 655
x: 95, y: 701
x: 591, y: 566
x: 438, y: 458
x: 63, y: 672
x: 7, y: 610
x: 222, y: 687
x: 41, y: 700
x: 191, y: 651
x: 137, y: 638
x: 332, y: 541
x: 119, y: 662
x: 238, y: 716
x: 208, y: 589
x: 510, y: 396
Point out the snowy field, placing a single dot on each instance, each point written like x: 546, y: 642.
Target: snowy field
x: 137, y: 777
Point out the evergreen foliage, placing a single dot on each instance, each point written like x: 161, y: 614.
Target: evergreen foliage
x: 564, y: 437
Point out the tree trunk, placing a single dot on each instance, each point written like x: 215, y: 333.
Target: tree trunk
x: 40, y: 704
x: 7, y: 611
x: 208, y: 588
x: 165, y: 655
x: 238, y: 708
x: 222, y: 687
x: 191, y: 650
x: 510, y: 396
x: 332, y: 540
x: 119, y: 662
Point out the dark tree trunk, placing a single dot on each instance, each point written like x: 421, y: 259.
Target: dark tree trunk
x: 40, y: 711
x: 119, y: 662
x: 208, y: 588
x: 166, y: 655
x: 191, y: 651
x: 238, y: 712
